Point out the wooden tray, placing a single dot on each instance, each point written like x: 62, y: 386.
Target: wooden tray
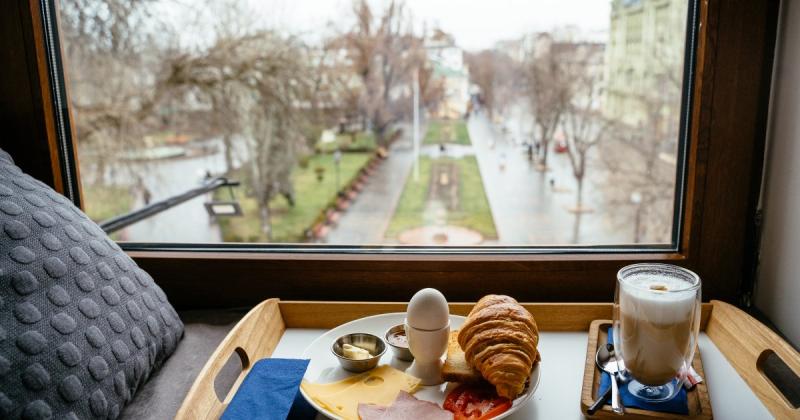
x: 743, y: 341
x: 699, y: 403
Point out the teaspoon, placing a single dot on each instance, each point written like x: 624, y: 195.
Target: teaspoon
x: 606, y: 360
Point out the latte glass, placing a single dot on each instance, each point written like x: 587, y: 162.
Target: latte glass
x: 656, y: 324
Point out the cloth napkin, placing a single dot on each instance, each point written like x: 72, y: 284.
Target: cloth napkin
x: 268, y: 391
x: 679, y: 404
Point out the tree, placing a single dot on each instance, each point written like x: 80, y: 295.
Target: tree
x: 110, y: 55
x: 640, y: 161
x: 232, y: 21
x: 265, y: 80
x: 547, y: 89
x: 494, y: 72
x: 583, y: 123
x: 384, y: 53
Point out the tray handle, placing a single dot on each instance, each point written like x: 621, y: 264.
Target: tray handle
x: 253, y: 338
x: 749, y: 345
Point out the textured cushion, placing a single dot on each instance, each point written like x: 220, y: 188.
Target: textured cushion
x: 81, y: 326
x: 163, y: 394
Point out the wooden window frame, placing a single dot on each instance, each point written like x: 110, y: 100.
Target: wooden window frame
x: 731, y: 89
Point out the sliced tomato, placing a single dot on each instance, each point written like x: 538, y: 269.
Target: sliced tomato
x: 497, y: 410
x: 475, y: 402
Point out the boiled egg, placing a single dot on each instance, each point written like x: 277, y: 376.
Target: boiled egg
x: 428, y: 310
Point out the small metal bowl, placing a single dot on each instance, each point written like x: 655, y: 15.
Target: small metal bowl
x: 373, y: 344
x: 401, y: 353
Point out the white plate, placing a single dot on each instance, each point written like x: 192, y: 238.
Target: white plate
x: 325, y: 368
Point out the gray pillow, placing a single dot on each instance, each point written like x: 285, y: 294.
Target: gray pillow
x: 81, y: 326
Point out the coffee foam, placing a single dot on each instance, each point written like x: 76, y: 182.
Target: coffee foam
x: 642, y: 296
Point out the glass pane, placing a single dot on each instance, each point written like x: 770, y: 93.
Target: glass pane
x: 417, y: 122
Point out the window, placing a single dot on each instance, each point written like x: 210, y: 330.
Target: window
x: 720, y: 150
x: 380, y: 123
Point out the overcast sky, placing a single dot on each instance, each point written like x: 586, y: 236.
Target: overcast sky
x: 476, y: 24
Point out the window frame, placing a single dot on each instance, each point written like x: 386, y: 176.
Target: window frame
x: 733, y: 66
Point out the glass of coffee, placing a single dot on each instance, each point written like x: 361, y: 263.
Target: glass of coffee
x: 656, y: 324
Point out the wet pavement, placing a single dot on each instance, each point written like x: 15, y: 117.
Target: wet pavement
x: 526, y: 209
x: 366, y: 220
x: 187, y: 222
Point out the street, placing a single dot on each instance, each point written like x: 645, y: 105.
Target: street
x: 527, y: 210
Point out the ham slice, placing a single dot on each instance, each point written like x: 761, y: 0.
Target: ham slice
x: 404, y: 407
x: 370, y: 411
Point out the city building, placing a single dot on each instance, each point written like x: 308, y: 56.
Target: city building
x: 448, y: 64
x: 643, y: 59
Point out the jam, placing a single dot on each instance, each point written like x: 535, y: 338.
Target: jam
x: 398, y: 339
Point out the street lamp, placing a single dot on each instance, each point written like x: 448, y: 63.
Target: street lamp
x: 636, y: 199
x: 337, y: 159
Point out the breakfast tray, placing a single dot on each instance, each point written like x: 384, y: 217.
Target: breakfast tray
x: 747, y: 345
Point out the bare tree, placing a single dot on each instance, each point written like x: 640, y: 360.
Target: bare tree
x: 385, y: 53
x: 583, y: 123
x: 548, y: 90
x: 110, y: 55
x: 584, y: 128
x: 494, y: 72
x: 641, y: 159
x: 264, y: 79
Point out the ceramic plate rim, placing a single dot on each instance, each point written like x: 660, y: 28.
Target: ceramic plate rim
x: 533, y: 383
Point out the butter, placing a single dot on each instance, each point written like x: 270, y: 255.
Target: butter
x: 355, y: 352
x: 378, y: 386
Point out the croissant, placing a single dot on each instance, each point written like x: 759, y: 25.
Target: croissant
x: 499, y: 339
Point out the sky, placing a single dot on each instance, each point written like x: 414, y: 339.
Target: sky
x: 475, y: 24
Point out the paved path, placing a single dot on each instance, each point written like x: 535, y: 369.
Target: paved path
x: 526, y: 210
x: 365, y: 222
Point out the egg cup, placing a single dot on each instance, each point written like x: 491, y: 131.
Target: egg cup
x: 428, y: 347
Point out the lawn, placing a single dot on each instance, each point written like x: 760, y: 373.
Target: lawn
x: 311, y: 197
x: 474, y: 212
x: 102, y: 202
x: 363, y: 142
x: 447, y: 131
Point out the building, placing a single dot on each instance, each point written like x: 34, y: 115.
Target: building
x: 448, y: 64
x: 644, y: 59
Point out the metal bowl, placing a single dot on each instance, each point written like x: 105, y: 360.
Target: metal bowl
x: 373, y: 344
x: 401, y: 353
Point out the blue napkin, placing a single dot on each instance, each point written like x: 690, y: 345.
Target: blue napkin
x: 269, y: 391
x: 679, y: 404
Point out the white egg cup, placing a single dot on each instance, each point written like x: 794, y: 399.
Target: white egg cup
x: 428, y: 347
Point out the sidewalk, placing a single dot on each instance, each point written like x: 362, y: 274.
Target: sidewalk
x: 526, y: 210
x: 365, y: 222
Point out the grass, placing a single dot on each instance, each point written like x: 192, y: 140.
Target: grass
x: 474, y: 212
x: 363, y: 142
x: 102, y: 202
x: 311, y: 197
x: 447, y: 131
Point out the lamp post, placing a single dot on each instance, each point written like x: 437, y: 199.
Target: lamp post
x: 415, y: 94
x: 337, y: 159
x: 636, y: 199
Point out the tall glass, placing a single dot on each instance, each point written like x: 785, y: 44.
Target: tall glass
x: 656, y: 324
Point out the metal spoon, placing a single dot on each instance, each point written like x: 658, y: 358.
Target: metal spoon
x: 606, y: 360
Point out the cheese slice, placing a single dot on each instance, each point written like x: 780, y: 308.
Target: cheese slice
x: 316, y: 390
x: 378, y: 386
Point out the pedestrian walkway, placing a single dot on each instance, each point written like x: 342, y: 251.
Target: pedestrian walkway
x: 527, y: 210
x: 365, y: 222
